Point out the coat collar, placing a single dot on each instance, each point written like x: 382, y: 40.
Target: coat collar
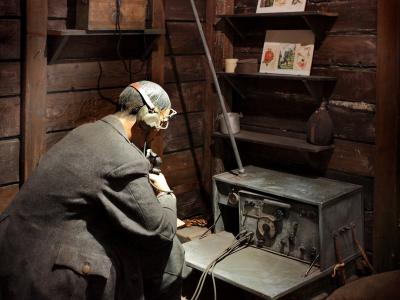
x: 116, y: 124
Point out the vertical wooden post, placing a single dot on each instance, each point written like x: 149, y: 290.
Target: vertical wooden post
x: 157, y: 60
x: 386, y: 237
x: 157, y: 57
x: 210, y: 101
x: 34, y: 84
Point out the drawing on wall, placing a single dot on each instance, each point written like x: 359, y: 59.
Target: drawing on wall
x: 288, y: 52
x: 273, y: 6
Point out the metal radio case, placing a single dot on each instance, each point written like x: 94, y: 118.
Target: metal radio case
x: 295, y: 216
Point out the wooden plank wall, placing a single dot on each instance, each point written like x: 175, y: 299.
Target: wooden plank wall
x: 73, y: 98
x: 10, y: 100
x: 185, y: 82
x: 348, y: 52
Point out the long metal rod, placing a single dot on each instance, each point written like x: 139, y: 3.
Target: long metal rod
x: 221, y: 99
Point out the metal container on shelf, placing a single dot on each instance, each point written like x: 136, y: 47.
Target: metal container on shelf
x: 233, y: 119
x: 247, y: 66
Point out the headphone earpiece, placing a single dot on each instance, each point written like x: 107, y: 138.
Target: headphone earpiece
x: 150, y: 119
x: 148, y: 114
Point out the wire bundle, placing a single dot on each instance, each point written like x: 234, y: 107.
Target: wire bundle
x: 242, y: 240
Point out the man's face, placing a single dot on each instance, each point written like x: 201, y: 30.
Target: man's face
x: 140, y: 134
x: 164, y: 117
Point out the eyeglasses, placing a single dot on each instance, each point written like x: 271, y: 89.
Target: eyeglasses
x: 165, y: 121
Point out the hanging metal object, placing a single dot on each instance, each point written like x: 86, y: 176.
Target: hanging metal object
x: 221, y: 99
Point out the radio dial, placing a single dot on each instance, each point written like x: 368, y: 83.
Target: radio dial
x: 266, y: 226
x: 233, y: 198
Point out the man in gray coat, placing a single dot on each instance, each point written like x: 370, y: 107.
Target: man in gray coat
x: 91, y: 223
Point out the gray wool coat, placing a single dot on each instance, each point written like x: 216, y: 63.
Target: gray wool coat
x: 87, y: 224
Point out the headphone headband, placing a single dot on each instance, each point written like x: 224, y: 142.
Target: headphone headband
x: 137, y: 86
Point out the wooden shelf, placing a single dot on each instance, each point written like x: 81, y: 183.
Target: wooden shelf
x: 317, y: 86
x: 67, y: 44
x: 276, y: 141
x: 80, y: 32
x: 246, y: 24
x: 311, y: 78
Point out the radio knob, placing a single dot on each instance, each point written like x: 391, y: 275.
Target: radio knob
x: 291, y: 238
x: 233, y: 198
x: 279, y: 214
x: 313, y: 253
x: 292, y: 235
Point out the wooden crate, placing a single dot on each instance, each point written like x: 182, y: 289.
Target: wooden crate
x: 101, y: 14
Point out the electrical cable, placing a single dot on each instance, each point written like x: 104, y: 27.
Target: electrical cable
x: 127, y: 68
x: 118, y: 30
x: 361, y: 249
x: 236, y: 246
x: 98, y: 85
x: 211, y: 227
x: 242, y: 240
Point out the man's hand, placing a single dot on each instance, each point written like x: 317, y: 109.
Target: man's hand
x: 159, y: 183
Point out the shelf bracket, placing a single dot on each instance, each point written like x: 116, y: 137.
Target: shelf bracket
x: 239, y: 33
x: 234, y: 87
x: 316, y: 28
x: 314, y: 89
x: 57, y: 52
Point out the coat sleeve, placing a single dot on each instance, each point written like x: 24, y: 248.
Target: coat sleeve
x: 131, y: 204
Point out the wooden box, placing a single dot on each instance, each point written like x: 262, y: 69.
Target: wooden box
x: 101, y: 14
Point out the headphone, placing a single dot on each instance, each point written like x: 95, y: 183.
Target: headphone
x: 148, y: 114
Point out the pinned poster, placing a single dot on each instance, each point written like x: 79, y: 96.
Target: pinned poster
x: 275, y: 6
x: 288, y: 52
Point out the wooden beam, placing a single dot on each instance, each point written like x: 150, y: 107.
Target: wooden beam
x: 34, y: 96
x: 210, y: 101
x: 10, y: 117
x: 157, y: 60
x: 7, y: 194
x: 157, y: 57
x: 386, y: 238
x: 9, y: 161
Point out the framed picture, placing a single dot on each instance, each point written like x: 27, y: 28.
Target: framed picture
x: 274, y: 6
x: 288, y: 52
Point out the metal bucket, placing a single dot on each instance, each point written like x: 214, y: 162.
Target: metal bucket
x: 233, y: 119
